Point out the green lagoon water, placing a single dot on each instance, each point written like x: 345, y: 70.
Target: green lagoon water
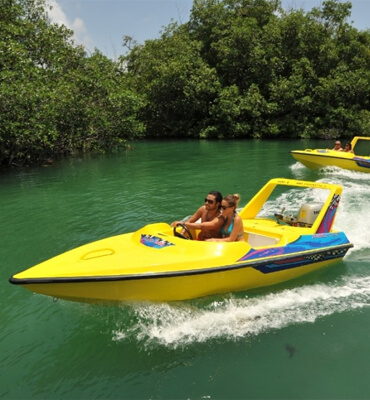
x: 307, y: 339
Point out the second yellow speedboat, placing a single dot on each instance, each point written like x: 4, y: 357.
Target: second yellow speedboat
x: 155, y: 264
x: 321, y: 158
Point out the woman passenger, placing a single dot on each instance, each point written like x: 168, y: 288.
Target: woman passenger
x: 348, y: 148
x: 232, y: 230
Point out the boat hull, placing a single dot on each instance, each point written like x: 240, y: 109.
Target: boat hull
x: 171, y: 288
x: 187, y: 284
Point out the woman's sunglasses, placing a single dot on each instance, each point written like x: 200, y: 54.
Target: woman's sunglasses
x: 209, y: 201
x: 225, y: 207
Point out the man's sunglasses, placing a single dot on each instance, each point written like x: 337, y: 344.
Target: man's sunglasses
x: 209, y: 201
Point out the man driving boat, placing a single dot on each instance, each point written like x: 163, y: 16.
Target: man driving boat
x: 208, y: 212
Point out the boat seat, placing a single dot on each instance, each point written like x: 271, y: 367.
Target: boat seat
x: 256, y: 240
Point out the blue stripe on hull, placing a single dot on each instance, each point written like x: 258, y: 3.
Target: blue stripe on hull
x: 361, y: 162
x: 304, y: 243
x: 301, y: 261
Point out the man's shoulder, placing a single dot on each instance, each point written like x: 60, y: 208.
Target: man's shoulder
x: 199, y: 213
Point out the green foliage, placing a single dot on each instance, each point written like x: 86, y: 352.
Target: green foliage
x: 178, y: 86
x: 249, y: 69
x: 53, y: 98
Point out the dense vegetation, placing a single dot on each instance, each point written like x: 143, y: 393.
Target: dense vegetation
x: 53, y: 98
x: 237, y: 69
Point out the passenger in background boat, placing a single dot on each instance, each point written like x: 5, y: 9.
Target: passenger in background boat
x: 338, y: 146
x: 209, y: 215
x: 348, y: 148
x: 232, y: 230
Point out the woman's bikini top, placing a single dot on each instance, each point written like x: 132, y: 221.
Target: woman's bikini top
x: 229, y: 229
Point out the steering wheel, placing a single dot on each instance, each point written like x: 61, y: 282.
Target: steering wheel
x: 180, y: 235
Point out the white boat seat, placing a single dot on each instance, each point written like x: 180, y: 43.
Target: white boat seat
x: 260, y: 240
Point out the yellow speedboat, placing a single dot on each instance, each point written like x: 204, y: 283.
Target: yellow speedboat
x: 320, y: 158
x: 156, y: 263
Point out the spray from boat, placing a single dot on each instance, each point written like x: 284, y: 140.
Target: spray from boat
x: 176, y: 326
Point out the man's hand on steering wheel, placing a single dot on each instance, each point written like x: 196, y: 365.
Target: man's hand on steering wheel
x: 183, y: 235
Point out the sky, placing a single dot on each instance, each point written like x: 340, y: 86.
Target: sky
x: 102, y: 24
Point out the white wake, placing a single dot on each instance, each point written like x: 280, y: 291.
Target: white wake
x: 179, y: 325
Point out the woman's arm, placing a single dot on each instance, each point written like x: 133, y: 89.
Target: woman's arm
x: 238, y: 229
